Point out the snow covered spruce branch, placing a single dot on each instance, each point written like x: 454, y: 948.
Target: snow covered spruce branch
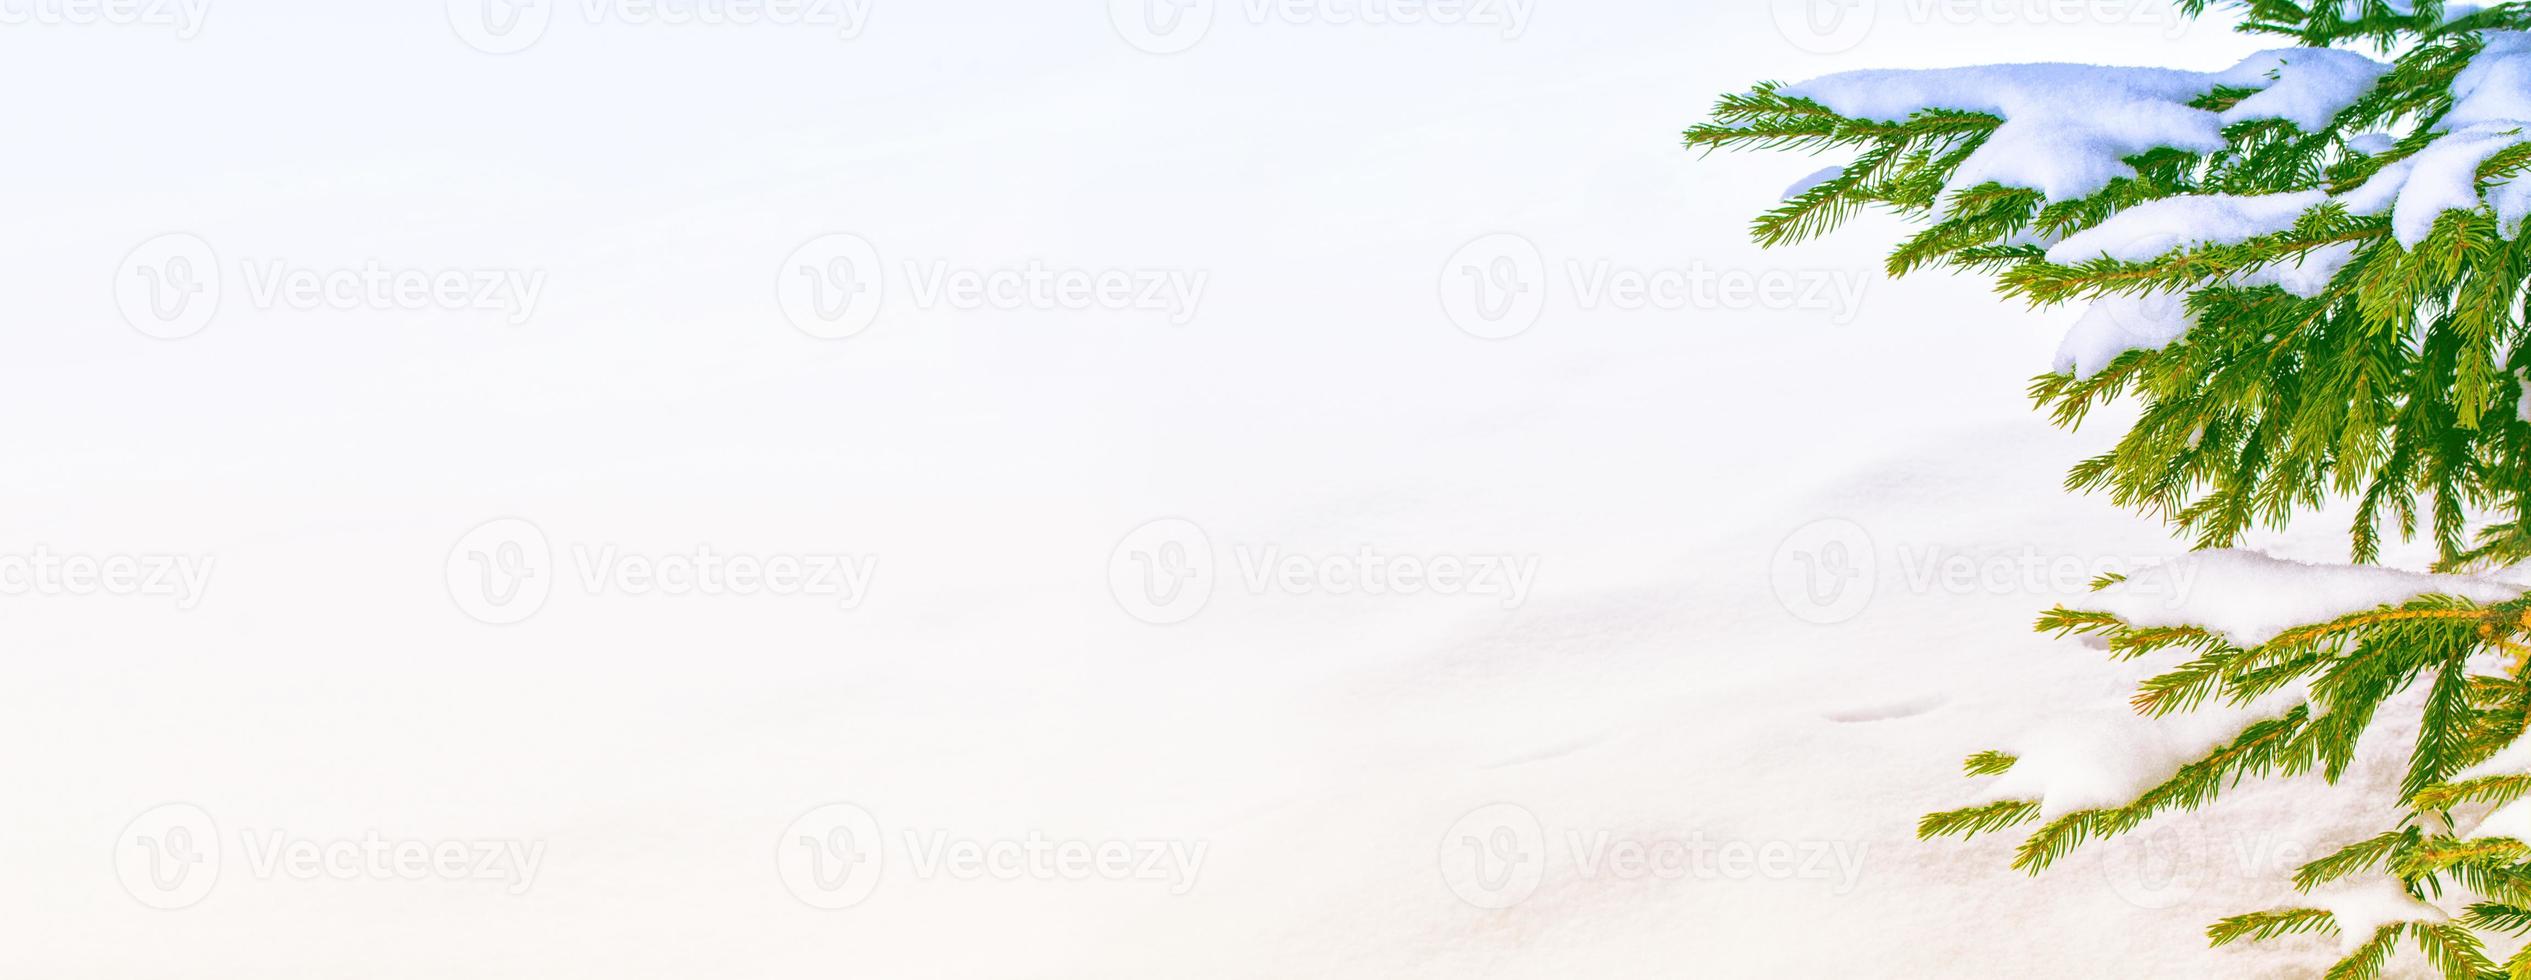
x: 2255, y: 698
x: 2309, y: 271
x: 2339, y: 238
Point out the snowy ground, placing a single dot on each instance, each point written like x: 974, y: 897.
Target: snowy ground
x: 1309, y: 770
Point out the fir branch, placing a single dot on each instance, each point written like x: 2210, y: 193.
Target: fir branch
x: 1968, y: 822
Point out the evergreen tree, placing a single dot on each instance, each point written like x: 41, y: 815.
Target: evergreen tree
x: 2308, y: 272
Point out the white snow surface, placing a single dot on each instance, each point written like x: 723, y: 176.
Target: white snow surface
x: 1669, y: 680
x: 2512, y: 820
x: 2362, y: 908
x: 2510, y: 759
x: 2069, y: 127
x: 2107, y: 756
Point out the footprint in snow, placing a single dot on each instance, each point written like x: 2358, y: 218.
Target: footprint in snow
x: 1885, y: 710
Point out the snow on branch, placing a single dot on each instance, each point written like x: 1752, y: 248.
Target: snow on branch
x: 2068, y: 129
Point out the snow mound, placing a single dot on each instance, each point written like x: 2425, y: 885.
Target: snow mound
x: 2108, y: 756
x: 2069, y: 128
x: 2152, y: 229
x: 2496, y: 87
x: 2071, y: 147
x: 2310, y: 86
x: 2307, y: 276
x: 2249, y: 598
x: 2363, y: 909
x: 2444, y: 177
x: 2372, y: 144
x: 2117, y: 324
x: 2491, y: 110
